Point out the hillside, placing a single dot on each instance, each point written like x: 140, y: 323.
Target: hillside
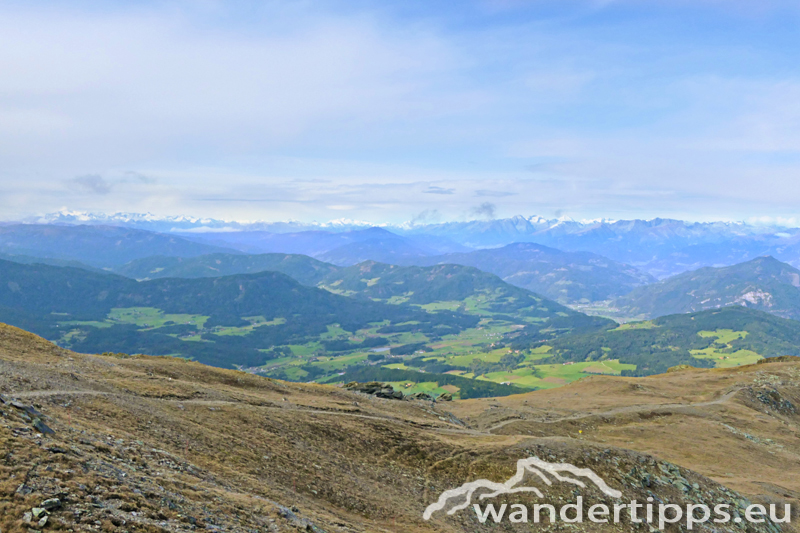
x: 317, y: 242
x: 97, y: 246
x: 271, y: 324
x: 567, y: 277
x: 31, y: 260
x: 764, y: 283
x: 426, y: 285
x: 222, y: 321
x: 387, y: 248
x: 160, y: 445
x: 302, y: 268
x: 731, y: 336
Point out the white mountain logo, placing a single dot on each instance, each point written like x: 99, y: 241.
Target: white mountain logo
x: 532, y: 465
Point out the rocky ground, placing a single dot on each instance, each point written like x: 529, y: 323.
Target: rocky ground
x: 100, y: 443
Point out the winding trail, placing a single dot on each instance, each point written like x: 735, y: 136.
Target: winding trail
x: 631, y: 409
x: 450, y: 428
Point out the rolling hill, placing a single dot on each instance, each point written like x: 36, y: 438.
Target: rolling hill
x: 302, y: 268
x: 317, y: 242
x: 457, y: 287
x: 764, y: 283
x: 378, y: 281
x: 567, y: 277
x: 96, y: 246
x: 273, y: 324
x: 31, y: 260
x: 384, y: 248
x: 730, y: 336
x: 223, y: 321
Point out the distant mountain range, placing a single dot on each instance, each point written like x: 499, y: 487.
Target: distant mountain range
x: 660, y: 247
x: 764, y: 283
x: 341, y: 248
x: 578, y: 263
x: 566, y: 277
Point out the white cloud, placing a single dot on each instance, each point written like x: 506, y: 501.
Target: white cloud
x: 299, y: 110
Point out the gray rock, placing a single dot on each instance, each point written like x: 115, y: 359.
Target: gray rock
x: 421, y: 396
x: 52, y: 503
x: 381, y: 390
x: 42, y: 428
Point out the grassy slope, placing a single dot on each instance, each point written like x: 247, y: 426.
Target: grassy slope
x: 722, y: 337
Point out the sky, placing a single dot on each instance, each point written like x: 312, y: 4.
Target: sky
x: 391, y: 111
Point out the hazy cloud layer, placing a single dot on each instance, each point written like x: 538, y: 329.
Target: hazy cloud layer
x: 485, y: 210
x: 381, y: 110
x: 438, y: 190
x: 91, y: 183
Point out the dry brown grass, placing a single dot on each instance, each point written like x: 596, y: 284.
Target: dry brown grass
x: 160, y: 444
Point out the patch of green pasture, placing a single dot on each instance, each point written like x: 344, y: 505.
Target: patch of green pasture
x: 340, y: 363
x: 255, y: 322
x: 305, y: 350
x: 294, y: 373
x: 646, y: 324
x: 716, y: 354
x: 724, y: 336
x: 334, y: 331
x: 552, y: 376
x: 442, y: 306
x: 92, y: 323
x: 152, y: 317
x: 727, y: 360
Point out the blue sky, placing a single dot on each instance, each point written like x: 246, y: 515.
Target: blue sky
x: 382, y: 111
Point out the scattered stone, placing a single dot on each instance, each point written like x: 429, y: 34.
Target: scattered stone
x: 779, y: 359
x: 679, y: 368
x: 375, y: 388
x: 445, y: 397
x: 52, y: 503
x: 29, y: 409
x: 42, y: 522
x: 772, y: 398
x: 421, y: 396
x: 42, y: 428
x: 38, y: 512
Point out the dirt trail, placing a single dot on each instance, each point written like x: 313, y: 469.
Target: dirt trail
x: 450, y: 428
x: 620, y: 411
x: 220, y: 403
